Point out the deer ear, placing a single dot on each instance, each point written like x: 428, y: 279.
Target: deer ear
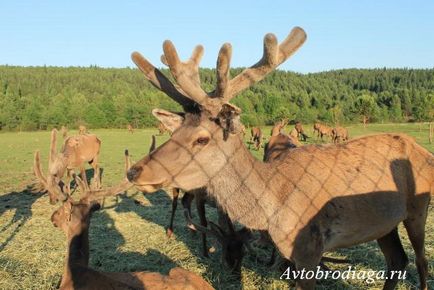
x: 172, y: 121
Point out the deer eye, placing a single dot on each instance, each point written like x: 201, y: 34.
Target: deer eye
x: 202, y: 141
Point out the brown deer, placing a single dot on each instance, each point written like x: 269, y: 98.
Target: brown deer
x: 256, y: 137
x: 300, y: 131
x: 130, y: 128
x: 162, y: 129
x: 64, y: 132
x: 323, y: 130
x: 317, y: 198
x: 339, y: 134
x: 82, y: 130
x: 73, y: 218
x: 278, y: 127
x: 75, y: 152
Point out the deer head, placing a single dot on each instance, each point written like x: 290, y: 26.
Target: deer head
x: 207, y: 134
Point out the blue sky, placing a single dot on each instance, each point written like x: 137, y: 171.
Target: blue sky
x: 341, y: 34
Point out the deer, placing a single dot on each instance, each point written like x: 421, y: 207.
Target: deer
x: 278, y: 127
x: 162, y: 129
x: 232, y: 242
x: 300, y: 131
x: 64, y: 132
x: 256, y: 137
x: 75, y: 152
x: 74, y: 218
x: 317, y: 198
x: 339, y: 134
x: 82, y: 130
x: 322, y: 130
x: 130, y: 128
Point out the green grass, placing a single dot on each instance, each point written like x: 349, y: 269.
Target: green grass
x: 129, y: 233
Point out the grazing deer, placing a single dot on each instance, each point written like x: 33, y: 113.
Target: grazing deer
x: 130, y: 128
x: 82, y: 130
x: 278, y: 127
x: 75, y: 152
x: 256, y: 138
x: 300, y: 131
x: 162, y: 129
x: 339, y: 134
x: 73, y: 218
x: 323, y: 130
x: 317, y: 198
x: 64, y: 132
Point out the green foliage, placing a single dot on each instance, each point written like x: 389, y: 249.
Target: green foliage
x: 33, y: 98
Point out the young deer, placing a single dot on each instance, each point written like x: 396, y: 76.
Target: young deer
x: 317, y: 198
x: 73, y: 218
x: 75, y: 152
x: 130, y: 128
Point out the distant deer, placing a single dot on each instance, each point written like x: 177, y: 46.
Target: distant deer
x: 162, y: 129
x: 323, y: 130
x: 82, y: 130
x: 73, y: 218
x: 130, y: 128
x: 256, y: 137
x: 339, y: 134
x: 300, y: 131
x: 64, y: 132
x: 75, y: 152
x: 278, y: 127
x: 317, y: 198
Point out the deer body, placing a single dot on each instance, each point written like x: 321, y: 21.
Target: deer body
x: 256, y: 138
x: 315, y: 198
x: 323, y: 130
x: 339, y: 134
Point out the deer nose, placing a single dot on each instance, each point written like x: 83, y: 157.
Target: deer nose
x: 133, y: 173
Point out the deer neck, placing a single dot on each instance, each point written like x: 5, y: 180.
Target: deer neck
x: 240, y: 188
x: 77, y: 255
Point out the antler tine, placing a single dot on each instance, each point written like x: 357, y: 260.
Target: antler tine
x: 186, y: 73
x: 127, y: 161
x: 53, y: 145
x: 153, y: 144
x: 84, y: 190
x: 273, y: 56
x: 223, y: 67
x: 161, y: 82
x: 38, y: 171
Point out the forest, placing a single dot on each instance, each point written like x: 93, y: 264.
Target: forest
x: 39, y: 98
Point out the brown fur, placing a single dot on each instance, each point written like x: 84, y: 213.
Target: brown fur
x: 74, y: 219
x: 256, y: 137
x: 316, y: 198
x: 64, y: 132
x: 323, y: 130
x: 75, y: 152
x: 162, y: 129
x: 82, y: 130
x: 130, y: 128
x: 339, y: 134
x: 278, y: 127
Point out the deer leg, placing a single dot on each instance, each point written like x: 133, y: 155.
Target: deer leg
x: 175, y: 193
x: 186, y: 201
x: 84, y: 177
x: 96, y: 173
x: 200, y: 205
x: 396, y: 258
x: 416, y: 232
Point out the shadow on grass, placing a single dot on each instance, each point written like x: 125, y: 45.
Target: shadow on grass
x: 159, y: 213
x: 21, y: 202
x: 105, y: 241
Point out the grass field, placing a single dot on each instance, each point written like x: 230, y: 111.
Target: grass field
x: 129, y: 233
